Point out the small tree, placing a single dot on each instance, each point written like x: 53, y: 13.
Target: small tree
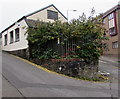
x: 91, y: 34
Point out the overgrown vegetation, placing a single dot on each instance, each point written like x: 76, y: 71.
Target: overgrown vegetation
x: 87, y: 34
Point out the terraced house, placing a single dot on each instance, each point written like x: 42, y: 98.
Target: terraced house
x: 111, y: 20
x: 14, y: 37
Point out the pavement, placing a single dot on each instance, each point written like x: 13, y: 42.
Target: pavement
x: 6, y: 88
x: 9, y: 89
x: 110, y: 60
x: 26, y: 80
x: 109, y: 64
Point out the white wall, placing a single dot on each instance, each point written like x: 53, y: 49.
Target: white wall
x: 22, y: 43
x: 42, y: 15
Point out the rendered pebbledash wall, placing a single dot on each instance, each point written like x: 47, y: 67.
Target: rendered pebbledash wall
x: 42, y: 15
x: 22, y: 43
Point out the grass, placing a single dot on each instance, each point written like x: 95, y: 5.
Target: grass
x: 98, y: 78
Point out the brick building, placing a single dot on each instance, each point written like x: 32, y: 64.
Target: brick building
x: 111, y: 20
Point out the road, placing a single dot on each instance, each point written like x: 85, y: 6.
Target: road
x: 30, y: 81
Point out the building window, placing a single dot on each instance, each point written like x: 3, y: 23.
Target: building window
x: 104, y: 34
x: 52, y: 15
x: 17, y: 38
x: 11, y: 37
x: 112, y: 31
x: 111, y: 16
x: 5, y: 39
x: 115, y: 44
x: 112, y: 24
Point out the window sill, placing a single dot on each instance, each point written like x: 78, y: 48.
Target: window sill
x: 113, y: 34
x: 10, y: 42
x: 114, y: 48
x: 17, y: 40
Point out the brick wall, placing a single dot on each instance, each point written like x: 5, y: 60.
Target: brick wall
x: 110, y: 50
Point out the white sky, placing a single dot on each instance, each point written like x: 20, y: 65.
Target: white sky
x: 12, y: 10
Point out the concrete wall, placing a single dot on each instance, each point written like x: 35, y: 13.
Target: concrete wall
x: 22, y: 43
x: 42, y: 15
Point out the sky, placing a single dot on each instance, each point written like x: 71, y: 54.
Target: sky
x: 12, y: 10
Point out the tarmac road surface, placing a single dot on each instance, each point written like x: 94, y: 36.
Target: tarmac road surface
x: 30, y: 81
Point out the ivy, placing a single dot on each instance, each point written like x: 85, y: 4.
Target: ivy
x: 88, y: 31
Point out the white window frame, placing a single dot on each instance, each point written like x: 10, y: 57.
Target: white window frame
x: 115, y: 44
x: 111, y: 16
x: 17, y: 34
x: 11, y: 38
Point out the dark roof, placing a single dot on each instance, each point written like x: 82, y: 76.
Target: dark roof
x: 111, y: 10
x: 24, y: 17
x: 32, y: 23
x: 13, y: 24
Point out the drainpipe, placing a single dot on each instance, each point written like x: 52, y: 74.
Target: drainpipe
x: 119, y: 32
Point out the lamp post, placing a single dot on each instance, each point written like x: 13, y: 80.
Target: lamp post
x: 68, y: 13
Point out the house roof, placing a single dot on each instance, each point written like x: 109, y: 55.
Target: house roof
x: 111, y: 10
x: 24, y: 17
x: 13, y: 24
x: 45, y: 8
x: 31, y: 23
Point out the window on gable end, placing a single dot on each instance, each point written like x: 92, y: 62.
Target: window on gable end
x: 52, y: 15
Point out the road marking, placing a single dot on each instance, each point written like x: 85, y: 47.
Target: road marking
x: 116, y: 67
x: 102, y: 61
x: 45, y: 69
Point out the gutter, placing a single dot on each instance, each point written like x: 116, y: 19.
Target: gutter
x: 13, y: 24
x: 111, y: 10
